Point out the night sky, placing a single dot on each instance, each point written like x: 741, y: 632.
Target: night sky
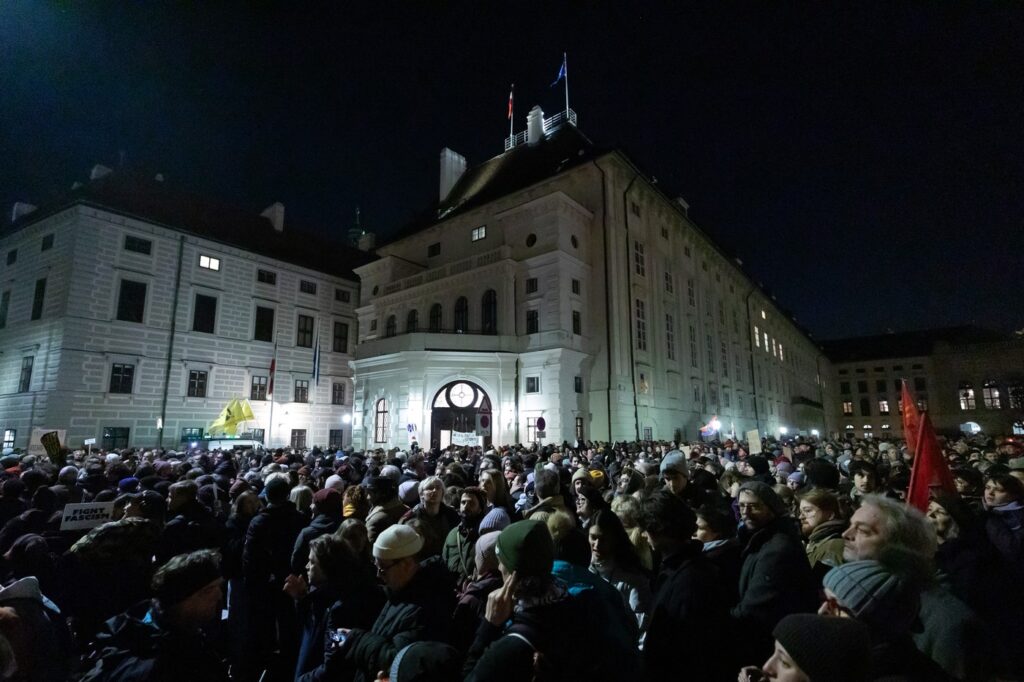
x: 864, y: 160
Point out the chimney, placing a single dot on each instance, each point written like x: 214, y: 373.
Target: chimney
x: 453, y: 165
x: 19, y: 209
x: 535, y: 125
x: 686, y: 207
x: 367, y: 241
x: 275, y: 214
x: 98, y: 172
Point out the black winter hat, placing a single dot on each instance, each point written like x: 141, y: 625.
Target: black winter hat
x: 827, y: 648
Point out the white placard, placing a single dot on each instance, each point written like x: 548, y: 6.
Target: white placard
x: 35, y: 445
x: 465, y: 438
x: 88, y: 515
x: 89, y: 441
x: 754, y: 442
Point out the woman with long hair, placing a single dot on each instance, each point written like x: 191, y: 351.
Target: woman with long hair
x: 613, y: 557
x: 494, y: 486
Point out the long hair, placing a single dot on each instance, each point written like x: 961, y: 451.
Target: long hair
x: 623, y: 552
x: 502, y: 498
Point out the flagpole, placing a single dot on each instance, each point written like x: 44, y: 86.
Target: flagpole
x: 565, y: 63
x: 270, y: 385
x: 511, y: 109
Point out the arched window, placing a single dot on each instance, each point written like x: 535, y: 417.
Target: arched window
x: 389, y: 326
x: 411, y: 322
x: 489, y: 312
x: 380, y: 422
x: 461, y: 315
x: 967, y: 401
x: 435, y: 317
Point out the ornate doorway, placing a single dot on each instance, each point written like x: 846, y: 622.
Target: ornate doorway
x: 454, y: 410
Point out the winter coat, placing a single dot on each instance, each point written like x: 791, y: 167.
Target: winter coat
x: 138, y: 645
x: 421, y: 611
x: 459, y: 553
x: 324, y: 608
x: 1004, y: 526
x: 269, y: 542
x: 727, y: 558
x: 900, y: 661
x: 825, y: 546
x: 634, y: 588
x: 438, y: 526
x: 382, y: 516
x: 470, y: 607
x: 192, y: 527
x: 690, y: 601
x: 955, y: 638
x: 234, y: 542
x: 37, y: 632
x: 775, y: 581
x: 322, y: 524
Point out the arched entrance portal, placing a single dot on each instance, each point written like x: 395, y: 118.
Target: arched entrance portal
x: 455, y: 409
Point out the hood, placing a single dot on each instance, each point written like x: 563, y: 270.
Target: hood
x: 25, y: 588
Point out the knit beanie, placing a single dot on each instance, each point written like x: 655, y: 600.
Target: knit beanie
x: 397, y: 542
x: 675, y: 461
x: 335, y: 481
x: 874, y: 595
x: 796, y: 477
x: 580, y: 474
x: 392, y: 472
x: 764, y: 492
x: 409, y: 492
x: 826, y: 648
x: 758, y: 464
x: 425, y: 662
x: 526, y: 548
x: 486, y: 558
x: 171, y: 587
x: 598, y: 478
x: 496, y: 519
x: 328, y: 501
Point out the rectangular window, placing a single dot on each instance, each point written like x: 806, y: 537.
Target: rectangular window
x: 694, y: 358
x: 711, y: 353
x: 579, y: 428
x: 880, y: 385
x: 38, y: 298
x: 533, y: 384
x: 726, y: 398
x: 47, y: 243
x: 9, y: 435
x: 264, y: 328
x: 664, y: 232
x: 197, y: 383
x: 635, y: 207
x: 848, y: 408
x: 115, y: 437
x: 191, y: 434
x: 576, y: 287
x: 434, y: 250
x: 967, y: 401
x: 920, y: 384
x: 691, y: 292
x: 204, y: 316
x: 337, y: 393
x: 479, y: 233
x: 266, y: 277
x: 122, y: 377
x: 639, y: 263
x: 531, y: 285
x: 258, y: 435
x: 641, y: 325
x: 373, y: 327
x: 648, y: 433
x: 336, y: 438
x: 304, y: 333
x: 577, y: 384
x: 696, y: 392
x: 307, y: 287
x: 340, y: 337
x: 725, y: 359
x: 301, y: 391
x: 209, y: 262
x: 532, y: 321
x: 531, y: 429
x: 757, y: 336
x: 670, y: 337
x: 258, y: 388
x: 131, y: 301
x: 844, y: 387
x: 738, y: 366
x: 862, y: 387
x: 5, y: 304
x: 298, y: 438
x: 883, y: 407
x: 138, y: 245
x: 343, y: 295
x: 669, y: 284
x: 713, y: 395
x: 577, y: 323
x: 865, y: 407
x: 12, y: 256
x: 25, y: 380
x: 782, y: 355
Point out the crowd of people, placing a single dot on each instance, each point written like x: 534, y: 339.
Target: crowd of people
x: 796, y: 561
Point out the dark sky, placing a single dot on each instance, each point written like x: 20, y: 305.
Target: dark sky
x: 865, y: 160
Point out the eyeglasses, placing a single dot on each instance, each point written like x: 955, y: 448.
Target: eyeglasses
x: 750, y: 506
x: 383, y: 570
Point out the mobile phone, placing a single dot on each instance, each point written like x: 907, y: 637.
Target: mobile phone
x: 338, y: 636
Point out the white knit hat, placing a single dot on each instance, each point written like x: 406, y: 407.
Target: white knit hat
x: 397, y: 542
x: 335, y: 481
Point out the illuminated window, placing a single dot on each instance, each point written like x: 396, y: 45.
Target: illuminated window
x: 763, y: 316
x: 479, y: 233
x: 380, y: 422
x: 765, y: 342
x: 883, y: 407
x: 990, y: 395
x: 848, y: 408
x: 757, y: 336
x: 782, y: 356
x: 967, y: 396
x: 209, y: 263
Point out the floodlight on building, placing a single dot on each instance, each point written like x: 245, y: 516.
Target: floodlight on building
x: 815, y: 433
x: 346, y: 419
x: 783, y: 430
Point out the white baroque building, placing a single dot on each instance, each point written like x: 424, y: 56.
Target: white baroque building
x: 555, y: 285
x: 132, y: 315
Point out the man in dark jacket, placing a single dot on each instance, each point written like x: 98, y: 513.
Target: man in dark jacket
x: 327, y: 504
x: 387, y: 509
x: 690, y: 597
x: 775, y: 579
x: 266, y: 562
x: 459, y: 546
x: 420, y: 601
x: 192, y: 526
x: 161, y: 640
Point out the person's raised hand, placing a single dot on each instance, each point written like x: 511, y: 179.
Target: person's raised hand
x: 501, y: 601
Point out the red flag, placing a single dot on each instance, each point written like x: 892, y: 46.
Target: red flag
x: 273, y: 367
x: 911, y: 418
x: 513, y: 89
x: 930, y: 469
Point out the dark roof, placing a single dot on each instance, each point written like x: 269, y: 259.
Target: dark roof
x: 153, y: 201
x: 516, y: 169
x: 905, y: 344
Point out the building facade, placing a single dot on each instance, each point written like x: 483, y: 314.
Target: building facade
x: 970, y: 380
x: 555, y: 293
x: 132, y: 315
